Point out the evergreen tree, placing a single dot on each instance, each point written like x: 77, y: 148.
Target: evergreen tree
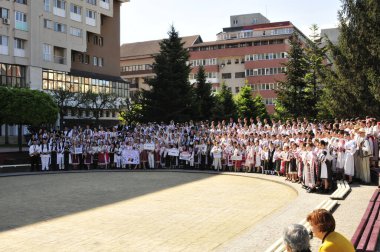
x: 171, y: 95
x: 203, y: 97
x: 315, y: 55
x: 292, y: 93
x: 260, y: 109
x: 354, y: 89
x: 224, y: 105
x: 245, y: 105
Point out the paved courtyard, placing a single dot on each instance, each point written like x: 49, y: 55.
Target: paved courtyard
x: 134, y: 211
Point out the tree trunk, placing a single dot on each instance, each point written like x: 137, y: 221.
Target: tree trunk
x: 19, y: 138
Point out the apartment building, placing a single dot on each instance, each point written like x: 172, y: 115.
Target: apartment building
x: 249, y: 52
x: 70, y: 44
x: 136, y: 61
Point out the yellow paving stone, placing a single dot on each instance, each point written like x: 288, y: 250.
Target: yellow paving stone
x: 199, y: 215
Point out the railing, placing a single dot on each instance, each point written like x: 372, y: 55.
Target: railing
x: 3, y: 50
x: 59, y: 12
x: 19, y: 25
x: 91, y: 21
x: 19, y: 52
x: 104, y: 5
x: 76, y: 17
x: 59, y: 59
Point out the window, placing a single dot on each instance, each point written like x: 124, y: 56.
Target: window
x: 226, y: 75
x: 20, y: 16
x: 240, y: 75
x: 48, y: 24
x: 12, y: 75
x: 237, y: 89
x: 21, y: 1
x: 3, y: 40
x: 60, y: 4
x: 19, y: 44
x: 95, y: 40
x: 76, y: 32
x: 47, y: 52
x: 75, y: 9
x: 58, y: 27
x: 93, y: 2
x: 100, y: 62
x: 95, y: 61
x: 90, y: 14
x: 229, y: 62
x: 4, y: 13
x: 86, y: 59
x: 100, y: 41
x: 47, y: 5
x: 236, y: 61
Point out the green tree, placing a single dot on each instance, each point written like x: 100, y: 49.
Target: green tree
x: 315, y: 55
x: 65, y: 98
x: 260, y: 108
x: 203, y: 97
x: 292, y: 92
x: 245, y: 104
x: 170, y: 96
x: 98, y: 102
x: 354, y: 89
x: 26, y: 106
x: 224, y: 105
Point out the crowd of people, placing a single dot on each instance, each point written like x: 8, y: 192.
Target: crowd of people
x: 311, y: 153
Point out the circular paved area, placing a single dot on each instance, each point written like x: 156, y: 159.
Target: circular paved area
x: 133, y: 211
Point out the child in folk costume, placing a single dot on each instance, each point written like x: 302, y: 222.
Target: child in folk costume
x: 271, y: 150
x: 293, y: 162
x: 45, y: 155
x: 277, y: 160
x: 257, y: 156
x: 324, y: 157
x: 349, y: 163
x: 250, y: 160
x: 309, y: 170
x: 75, y: 154
x: 238, y: 158
x: 53, y: 154
x: 151, y: 158
x: 340, y: 154
x: 117, y: 157
x: 216, y: 152
x: 103, y: 157
x: 264, y: 157
x: 60, y: 154
x: 87, y: 155
x: 285, y: 161
x: 157, y: 156
x: 111, y: 153
x: 229, y: 152
x: 143, y: 155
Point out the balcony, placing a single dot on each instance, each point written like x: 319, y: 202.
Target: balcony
x: 19, y: 52
x: 59, y: 60
x: 59, y: 12
x: 23, y: 26
x: 104, y: 5
x: 3, y: 50
x: 75, y: 17
x: 91, y: 21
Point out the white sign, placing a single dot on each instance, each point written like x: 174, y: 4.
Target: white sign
x: 149, y: 146
x: 78, y: 150
x: 185, y: 155
x: 217, y: 155
x: 237, y: 158
x: 173, y: 152
x: 131, y: 156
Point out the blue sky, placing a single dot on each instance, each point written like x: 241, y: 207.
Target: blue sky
x: 143, y: 20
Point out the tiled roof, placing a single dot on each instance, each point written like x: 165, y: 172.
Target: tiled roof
x: 148, y: 48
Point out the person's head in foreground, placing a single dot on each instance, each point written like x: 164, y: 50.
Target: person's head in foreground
x: 296, y: 238
x: 322, y: 225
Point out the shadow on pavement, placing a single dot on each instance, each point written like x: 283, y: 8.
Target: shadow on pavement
x: 26, y: 200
